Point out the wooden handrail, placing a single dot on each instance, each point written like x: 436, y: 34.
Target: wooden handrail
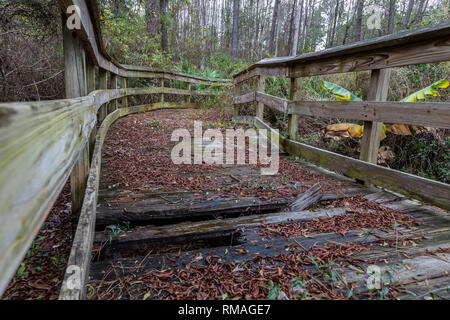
x: 430, y: 114
x: 39, y: 144
x: 424, y: 45
x: 413, y: 186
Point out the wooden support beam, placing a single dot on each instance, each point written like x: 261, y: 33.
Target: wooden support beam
x: 74, y: 76
x: 124, y: 85
x: 294, y: 94
x: 378, y: 89
x: 76, y: 86
x: 261, y: 88
x: 113, y: 85
x: 90, y: 87
x: 103, y: 84
x: 162, y: 88
x: 90, y: 75
x: 236, y: 93
x: 190, y: 94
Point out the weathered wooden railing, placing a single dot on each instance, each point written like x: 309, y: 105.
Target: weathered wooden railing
x: 43, y: 144
x: 426, y: 45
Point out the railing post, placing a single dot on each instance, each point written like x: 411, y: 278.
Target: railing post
x: 162, y: 88
x: 189, y: 96
x: 90, y: 86
x: 294, y: 94
x: 378, y: 90
x: 235, y: 95
x: 124, y: 85
x: 261, y: 87
x: 103, y: 85
x: 76, y: 86
x: 113, y: 85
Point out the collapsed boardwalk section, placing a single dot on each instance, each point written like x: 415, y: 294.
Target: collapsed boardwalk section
x: 167, y: 231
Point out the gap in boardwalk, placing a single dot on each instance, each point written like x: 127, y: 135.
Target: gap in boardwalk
x: 139, y: 250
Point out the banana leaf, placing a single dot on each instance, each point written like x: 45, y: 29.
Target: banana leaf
x: 339, y: 92
x: 428, y: 91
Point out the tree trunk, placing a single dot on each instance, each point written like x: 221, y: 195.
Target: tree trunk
x: 419, y: 13
x: 300, y: 17
x: 163, y: 19
x: 391, y: 17
x: 292, y: 25
x: 152, y: 18
x: 235, y: 28
x: 296, y: 32
x: 408, y: 14
x: 273, y: 28
x: 358, y: 24
x: 256, y: 44
x: 333, y: 30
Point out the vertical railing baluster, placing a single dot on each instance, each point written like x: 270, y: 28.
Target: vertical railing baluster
x: 103, y: 85
x: 113, y: 85
x: 162, y: 90
x: 90, y: 86
x: 294, y: 94
x: 124, y: 85
x: 261, y: 87
x: 190, y: 93
x: 378, y: 89
x: 75, y: 84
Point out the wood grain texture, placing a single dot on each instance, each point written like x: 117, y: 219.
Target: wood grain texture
x: 39, y: 144
x: 246, y: 98
x: 273, y: 102
x: 429, y: 114
x: 103, y: 85
x: 261, y: 87
x: 113, y: 105
x: 370, y: 142
x: 294, y: 94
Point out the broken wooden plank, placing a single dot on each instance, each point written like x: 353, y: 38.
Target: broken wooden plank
x: 148, y: 212
x: 407, y: 271
x: 248, y: 244
x: 307, y: 199
x: 186, y: 231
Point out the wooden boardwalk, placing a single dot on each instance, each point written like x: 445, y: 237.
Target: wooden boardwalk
x: 166, y: 232
x: 163, y: 239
